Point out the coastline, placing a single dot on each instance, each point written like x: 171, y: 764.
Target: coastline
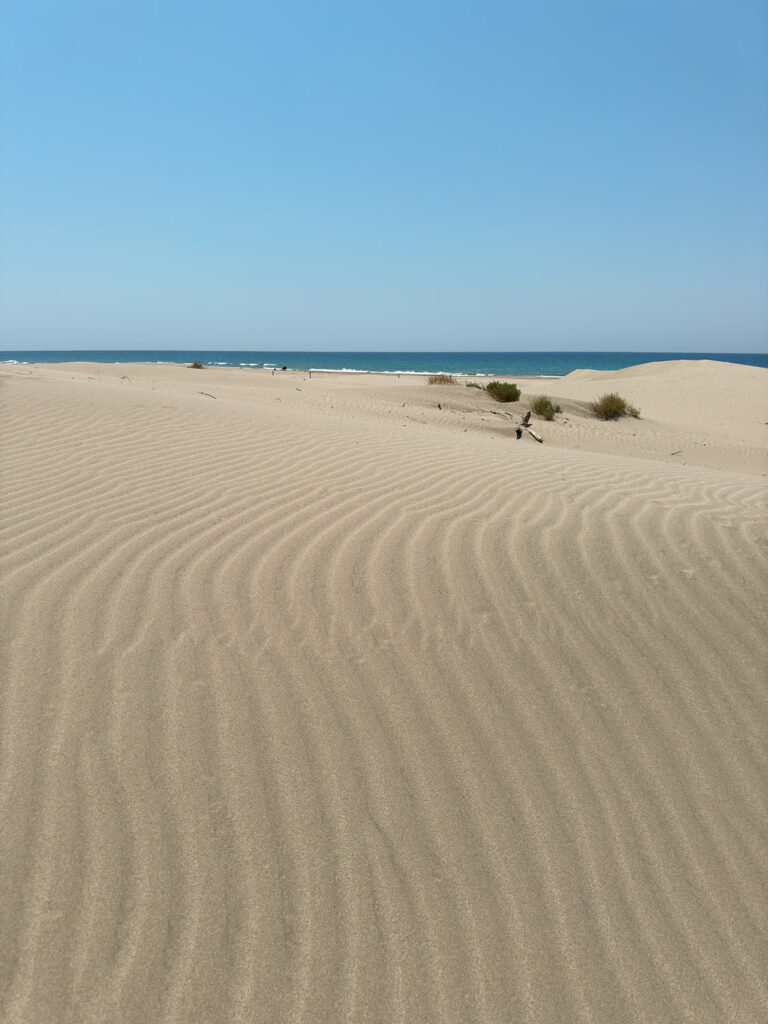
x: 493, y: 364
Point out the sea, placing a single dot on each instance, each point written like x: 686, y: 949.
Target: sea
x: 502, y: 364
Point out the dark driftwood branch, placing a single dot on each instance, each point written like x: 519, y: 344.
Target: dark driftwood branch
x: 525, y: 424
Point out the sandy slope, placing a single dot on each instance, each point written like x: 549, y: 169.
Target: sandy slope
x: 318, y: 706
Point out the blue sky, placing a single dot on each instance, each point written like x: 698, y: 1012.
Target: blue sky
x: 390, y: 175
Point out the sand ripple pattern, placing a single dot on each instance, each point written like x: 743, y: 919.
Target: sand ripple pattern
x: 311, y: 719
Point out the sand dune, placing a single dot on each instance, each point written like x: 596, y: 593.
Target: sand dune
x: 318, y: 706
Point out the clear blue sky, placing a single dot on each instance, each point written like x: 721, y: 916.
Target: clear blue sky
x: 392, y: 175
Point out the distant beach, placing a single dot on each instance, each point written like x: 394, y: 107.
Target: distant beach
x: 523, y: 364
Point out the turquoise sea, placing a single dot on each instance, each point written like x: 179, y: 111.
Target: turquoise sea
x: 528, y: 364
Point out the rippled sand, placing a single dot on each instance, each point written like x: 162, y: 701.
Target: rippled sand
x: 323, y: 704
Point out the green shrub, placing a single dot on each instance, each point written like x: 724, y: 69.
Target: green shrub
x: 196, y: 365
x: 472, y: 384
x: 441, y: 378
x: 503, y: 392
x: 612, y: 407
x: 542, y: 406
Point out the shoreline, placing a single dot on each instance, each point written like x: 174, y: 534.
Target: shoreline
x: 542, y: 365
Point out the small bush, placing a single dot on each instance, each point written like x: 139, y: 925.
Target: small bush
x: 472, y: 384
x: 503, y: 392
x: 542, y: 406
x: 196, y: 365
x: 441, y: 378
x: 613, y: 406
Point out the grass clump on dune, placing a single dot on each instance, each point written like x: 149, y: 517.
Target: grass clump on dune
x: 441, y: 378
x: 503, y: 392
x: 542, y: 405
x: 196, y: 365
x: 472, y: 384
x: 612, y: 407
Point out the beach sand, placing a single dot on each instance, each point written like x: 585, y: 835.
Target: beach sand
x: 321, y: 703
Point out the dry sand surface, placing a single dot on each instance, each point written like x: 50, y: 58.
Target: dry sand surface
x: 323, y: 704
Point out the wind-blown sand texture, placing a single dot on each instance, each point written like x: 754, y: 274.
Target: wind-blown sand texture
x: 323, y: 704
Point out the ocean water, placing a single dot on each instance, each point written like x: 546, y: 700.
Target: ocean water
x: 506, y: 364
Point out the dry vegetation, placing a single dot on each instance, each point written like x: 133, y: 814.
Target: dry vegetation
x: 543, y: 406
x: 503, y: 392
x: 612, y: 407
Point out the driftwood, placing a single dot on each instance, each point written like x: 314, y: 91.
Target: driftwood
x: 206, y: 394
x: 525, y: 424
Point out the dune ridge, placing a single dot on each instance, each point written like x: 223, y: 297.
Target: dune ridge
x: 318, y: 707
